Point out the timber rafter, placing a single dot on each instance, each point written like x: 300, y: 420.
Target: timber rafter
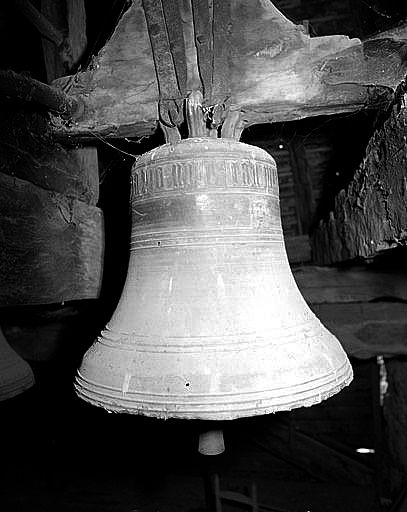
x: 248, y: 57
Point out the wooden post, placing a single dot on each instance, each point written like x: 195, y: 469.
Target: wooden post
x: 302, y: 184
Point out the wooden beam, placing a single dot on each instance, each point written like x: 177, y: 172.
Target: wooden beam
x: 367, y: 329
x: 330, y: 285
x: 14, y: 85
x: 304, y: 196
x: 44, y: 26
x: 276, y: 72
x: 279, y: 73
x: 120, y: 84
x: 69, y: 17
x: 52, y: 246
x: 311, y: 455
x: 370, y: 216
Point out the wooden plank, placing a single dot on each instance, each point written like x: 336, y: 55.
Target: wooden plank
x: 52, y: 246
x: 367, y: 329
x: 320, y: 285
x: 370, y: 216
x: 315, y: 457
x: 28, y: 151
x: 264, y: 66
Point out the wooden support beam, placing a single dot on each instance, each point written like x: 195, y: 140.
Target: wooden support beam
x: 120, y: 85
x: 275, y: 71
x: 311, y: 455
x: 16, y: 86
x: 304, y: 196
x: 330, y: 285
x: 52, y: 246
x: 367, y: 329
x: 370, y: 216
x: 44, y: 26
x: 69, y: 17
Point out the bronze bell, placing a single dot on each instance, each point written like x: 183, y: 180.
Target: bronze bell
x: 15, y: 374
x: 210, y: 323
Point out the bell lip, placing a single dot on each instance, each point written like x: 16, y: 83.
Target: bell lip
x: 305, y: 399
x: 18, y: 386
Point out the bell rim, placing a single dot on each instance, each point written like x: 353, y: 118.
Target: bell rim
x: 162, y: 410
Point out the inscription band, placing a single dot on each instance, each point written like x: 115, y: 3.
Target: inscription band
x: 203, y: 174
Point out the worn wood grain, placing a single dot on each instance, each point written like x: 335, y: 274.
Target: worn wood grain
x: 263, y: 65
x: 119, y: 86
x: 370, y: 216
x: 278, y: 71
x: 28, y: 151
x: 51, y: 245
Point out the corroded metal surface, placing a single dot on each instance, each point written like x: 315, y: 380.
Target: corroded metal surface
x: 211, y: 323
